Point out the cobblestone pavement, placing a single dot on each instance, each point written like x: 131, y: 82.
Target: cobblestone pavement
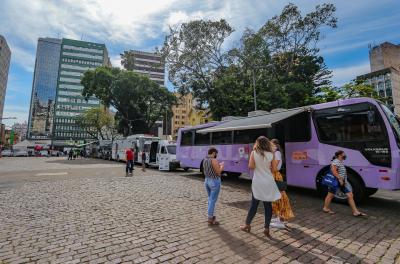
x: 79, y: 213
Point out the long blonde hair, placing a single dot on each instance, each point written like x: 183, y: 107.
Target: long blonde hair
x: 262, y: 145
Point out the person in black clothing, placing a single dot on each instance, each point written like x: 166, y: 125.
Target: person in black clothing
x: 143, y: 161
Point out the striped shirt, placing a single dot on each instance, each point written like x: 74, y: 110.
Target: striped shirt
x: 208, y: 169
x: 340, y: 168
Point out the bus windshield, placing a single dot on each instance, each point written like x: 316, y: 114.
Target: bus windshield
x: 171, y: 149
x: 393, y: 121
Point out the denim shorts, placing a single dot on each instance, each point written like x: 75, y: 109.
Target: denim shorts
x: 346, y: 188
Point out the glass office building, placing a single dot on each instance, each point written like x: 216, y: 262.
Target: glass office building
x: 45, y: 78
x: 76, y: 58
x: 73, y: 59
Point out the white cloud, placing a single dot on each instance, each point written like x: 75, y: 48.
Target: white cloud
x: 345, y: 74
x: 116, y: 61
x: 20, y: 112
x: 23, y: 57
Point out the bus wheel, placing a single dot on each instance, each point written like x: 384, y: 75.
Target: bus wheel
x: 233, y: 174
x: 186, y: 169
x: 359, y: 190
x: 371, y: 191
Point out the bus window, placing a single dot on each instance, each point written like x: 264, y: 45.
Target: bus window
x: 186, y: 139
x: 248, y: 136
x: 297, y: 128
x: 224, y: 137
x: 171, y: 149
x: 201, y: 139
x: 358, y: 127
x: 163, y: 150
x: 351, y: 126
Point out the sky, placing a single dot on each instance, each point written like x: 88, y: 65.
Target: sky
x: 143, y: 25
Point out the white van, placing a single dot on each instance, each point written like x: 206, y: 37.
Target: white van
x: 161, y: 154
x: 134, y: 141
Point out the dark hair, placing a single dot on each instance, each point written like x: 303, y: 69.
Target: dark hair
x: 263, y: 145
x: 212, y: 151
x: 337, y: 154
x: 276, y: 143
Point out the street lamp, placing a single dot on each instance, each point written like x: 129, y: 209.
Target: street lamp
x: 254, y: 67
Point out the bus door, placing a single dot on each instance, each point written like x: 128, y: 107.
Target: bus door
x: 153, y: 152
x: 163, y: 159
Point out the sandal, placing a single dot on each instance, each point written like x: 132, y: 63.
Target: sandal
x: 328, y: 211
x: 212, y: 221
x: 245, y: 228
x: 360, y: 215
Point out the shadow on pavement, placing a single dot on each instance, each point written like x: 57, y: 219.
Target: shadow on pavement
x: 236, y: 244
x: 80, y: 161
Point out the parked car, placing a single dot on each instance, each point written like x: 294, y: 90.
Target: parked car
x: 20, y: 153
x: 7, y: 153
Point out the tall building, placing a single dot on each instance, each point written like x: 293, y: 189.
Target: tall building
x: 5, y: 57
x: 384, y: 56
x: 385, y: 73
x: 56, y: 93
x: 150, y: 64
x: 180, y: 113
x: 20, y: 129
x: 44, y: 85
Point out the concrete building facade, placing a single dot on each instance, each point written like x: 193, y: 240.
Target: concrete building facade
x: 180, y: 113
x: 385, y: 73
x: 5, y: 57
x: 21, y: 130
x: 384, y: 56
x: 150, y: 64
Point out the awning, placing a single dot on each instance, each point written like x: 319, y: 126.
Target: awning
x: 255, y: 122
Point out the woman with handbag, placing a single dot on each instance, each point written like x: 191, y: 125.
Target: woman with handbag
x: 263, y: 185
x: 281, y: 208
x: 339, y: 171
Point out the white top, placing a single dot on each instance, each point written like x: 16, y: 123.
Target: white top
x: 263, y: 185
x: 278, y: 156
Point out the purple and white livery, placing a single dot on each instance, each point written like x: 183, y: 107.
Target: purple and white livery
x: 364, y: 128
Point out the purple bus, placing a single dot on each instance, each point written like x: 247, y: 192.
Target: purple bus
x: 364, y: 128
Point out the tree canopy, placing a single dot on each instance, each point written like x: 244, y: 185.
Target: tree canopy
x: 140, y: 102
x: 280, y: 61
x: 98, y: 123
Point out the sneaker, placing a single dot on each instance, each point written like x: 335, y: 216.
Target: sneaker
x: 277, y: 224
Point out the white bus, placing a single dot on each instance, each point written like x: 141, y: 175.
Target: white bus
x: 134, y: 141
x: 161, y: 154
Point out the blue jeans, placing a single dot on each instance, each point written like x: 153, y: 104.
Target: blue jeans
x: 253, y: 210
x: 212, y: 186
x: 129, y: 166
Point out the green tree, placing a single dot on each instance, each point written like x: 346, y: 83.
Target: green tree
x: 357, y: 88
x: 193, y: 53
x: 280, y: 62
x: 140, y: 102
x: 98, y: 122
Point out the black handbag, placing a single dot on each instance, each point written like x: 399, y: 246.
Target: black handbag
x: 282, y: 185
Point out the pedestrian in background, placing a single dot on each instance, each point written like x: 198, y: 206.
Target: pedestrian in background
x: 212, y: 171
x: 339, y: 171
x: 143, y: 161
x: 263, y: 185
x: 70, y: 154
x: 280, y: 208
x: 129, y: 161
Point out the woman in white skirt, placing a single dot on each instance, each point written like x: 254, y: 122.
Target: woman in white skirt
x: 263, y: 185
